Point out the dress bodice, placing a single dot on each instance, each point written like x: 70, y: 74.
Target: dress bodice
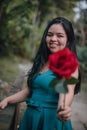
x: 42, y: 93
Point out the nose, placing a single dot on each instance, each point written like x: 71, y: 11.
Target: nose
x: 54, y: 38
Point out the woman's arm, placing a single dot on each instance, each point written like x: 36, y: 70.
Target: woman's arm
x: 68, y: 99
x: 15, y: 98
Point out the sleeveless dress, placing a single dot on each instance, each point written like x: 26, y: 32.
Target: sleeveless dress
x: 40, y: 113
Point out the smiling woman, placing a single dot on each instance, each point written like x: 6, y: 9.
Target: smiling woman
x: 42, y: 102
x: 56, y: 38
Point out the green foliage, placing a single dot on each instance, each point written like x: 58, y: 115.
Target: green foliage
x: 71, y: 80
x: 22, y: 23
x: 60, y: 85
x: 8, y: 69
x: 81, y: 40
x: 82, y: 55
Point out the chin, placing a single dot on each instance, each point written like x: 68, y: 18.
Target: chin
x: 54, y: 51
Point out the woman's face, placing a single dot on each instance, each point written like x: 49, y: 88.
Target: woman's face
x: 56, y: 38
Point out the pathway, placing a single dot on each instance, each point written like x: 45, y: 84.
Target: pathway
x: 79, y: 112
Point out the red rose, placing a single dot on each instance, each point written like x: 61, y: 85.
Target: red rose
x: 63, y: 63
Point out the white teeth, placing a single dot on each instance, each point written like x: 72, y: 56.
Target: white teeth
x: 58, y: 44
x: 55, y: 45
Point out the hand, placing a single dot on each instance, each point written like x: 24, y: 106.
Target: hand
x: 3, y: 103
x: 64, y: 114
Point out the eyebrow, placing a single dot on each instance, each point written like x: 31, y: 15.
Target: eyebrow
x: 57, y: 33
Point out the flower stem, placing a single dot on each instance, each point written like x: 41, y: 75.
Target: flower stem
x: 64, y: 101
x: 62, y: 125
x: 63, y: 108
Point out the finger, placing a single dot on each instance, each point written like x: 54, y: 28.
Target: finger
x: 60, y: 109
x: 64, y: 119
x: 65, y: 111
x: 2, y: 106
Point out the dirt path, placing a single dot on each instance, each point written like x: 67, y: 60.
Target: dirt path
x: 79, y: 114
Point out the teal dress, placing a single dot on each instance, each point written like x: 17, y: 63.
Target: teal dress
x: 40, y: 113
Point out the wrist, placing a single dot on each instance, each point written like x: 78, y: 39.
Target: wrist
x: 7, y: 100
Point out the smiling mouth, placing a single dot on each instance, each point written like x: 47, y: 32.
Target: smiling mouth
x: 55, y: 45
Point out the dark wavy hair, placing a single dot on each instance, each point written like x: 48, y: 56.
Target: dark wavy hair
x: 43, y: 52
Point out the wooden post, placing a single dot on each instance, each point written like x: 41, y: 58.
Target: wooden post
x: 10, y: 115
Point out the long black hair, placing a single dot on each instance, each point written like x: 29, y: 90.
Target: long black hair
x: 43, y: 52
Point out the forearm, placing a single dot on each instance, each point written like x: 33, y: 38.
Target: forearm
x: 66, y: 99
x: 19, y: 96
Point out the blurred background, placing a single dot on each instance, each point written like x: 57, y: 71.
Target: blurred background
x: 22, y: 23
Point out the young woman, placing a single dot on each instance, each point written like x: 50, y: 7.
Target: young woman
x: 42, y: 105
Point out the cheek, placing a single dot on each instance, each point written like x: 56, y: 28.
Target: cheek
x: 65, y: 42
x: 47, y: 41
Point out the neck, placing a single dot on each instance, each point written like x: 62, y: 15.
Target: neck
x: 45, y: 68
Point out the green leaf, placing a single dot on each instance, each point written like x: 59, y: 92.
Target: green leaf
x: 54, y: 82
x: 60, y: 87
x: 72, y: 80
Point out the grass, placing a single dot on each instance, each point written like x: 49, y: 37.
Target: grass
x: 8, y: 69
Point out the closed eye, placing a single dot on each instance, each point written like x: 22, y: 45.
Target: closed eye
x: 59, y: 35
x: 49, y: 34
